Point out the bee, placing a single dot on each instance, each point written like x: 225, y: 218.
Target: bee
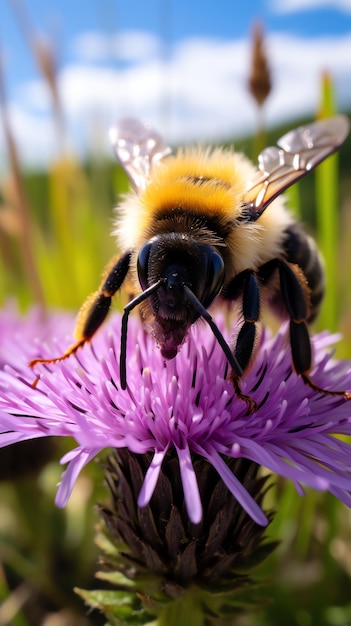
x: 204, y: 227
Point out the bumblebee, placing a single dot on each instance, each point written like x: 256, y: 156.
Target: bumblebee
x: 205, y: 227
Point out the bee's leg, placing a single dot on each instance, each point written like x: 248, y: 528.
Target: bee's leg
x: 246, y: 340
x: 95, y: 308
x: 295, y: 295
x: 245, y: 285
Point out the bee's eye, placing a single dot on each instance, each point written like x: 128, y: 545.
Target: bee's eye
x: 214, y: 277
x: 142, y: 265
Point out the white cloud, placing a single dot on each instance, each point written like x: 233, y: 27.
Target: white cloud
x: 298, y: 66
x: 198, y: 94
x: 131, y: 45
x: 291, y: 6
x: 34, y: 136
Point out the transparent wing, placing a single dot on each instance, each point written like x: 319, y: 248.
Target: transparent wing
x: 297, y: 153
x: 138, y: 148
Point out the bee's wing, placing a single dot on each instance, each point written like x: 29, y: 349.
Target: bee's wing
x: 138, y: 148
x: 297, y: 153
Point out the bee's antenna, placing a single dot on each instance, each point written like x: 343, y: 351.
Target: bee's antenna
x: 217, y: 333
x: 127, y: 309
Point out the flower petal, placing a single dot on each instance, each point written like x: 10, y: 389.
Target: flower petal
x: 235, y: 487
x: 71, y: 473
x: 151, y: 478
x: 190, y: 486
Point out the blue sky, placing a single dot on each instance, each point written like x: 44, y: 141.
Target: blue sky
x: 180, y: 64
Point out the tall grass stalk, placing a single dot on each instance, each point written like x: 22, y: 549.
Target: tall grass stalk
x: 327, y: 214
x: 44, y: 53
x: 25, y: 222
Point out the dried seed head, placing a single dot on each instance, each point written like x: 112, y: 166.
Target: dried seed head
x: 259, y: 82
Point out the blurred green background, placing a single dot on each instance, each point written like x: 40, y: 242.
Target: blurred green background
x: 55, y: 225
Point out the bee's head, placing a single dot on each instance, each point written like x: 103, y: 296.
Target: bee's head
x: 179, y: 260
x: 180, y: 277
x: 181, y: 264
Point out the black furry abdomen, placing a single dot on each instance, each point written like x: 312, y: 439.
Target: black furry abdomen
x: 301, y: 249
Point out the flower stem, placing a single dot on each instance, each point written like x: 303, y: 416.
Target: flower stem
x: 185, y: 610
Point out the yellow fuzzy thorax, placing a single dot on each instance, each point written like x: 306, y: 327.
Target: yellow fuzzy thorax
x: 205, y: 183
x: 199, y: 181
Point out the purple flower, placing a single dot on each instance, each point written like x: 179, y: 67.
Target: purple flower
x: 186, y: 403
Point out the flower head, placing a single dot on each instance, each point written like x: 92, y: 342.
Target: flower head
x: 186, y: 404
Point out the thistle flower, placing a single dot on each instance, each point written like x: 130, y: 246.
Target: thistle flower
x: 186, y: 406
x: 185, y: 524
x: 20, y: 334
x: 27, y: 458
